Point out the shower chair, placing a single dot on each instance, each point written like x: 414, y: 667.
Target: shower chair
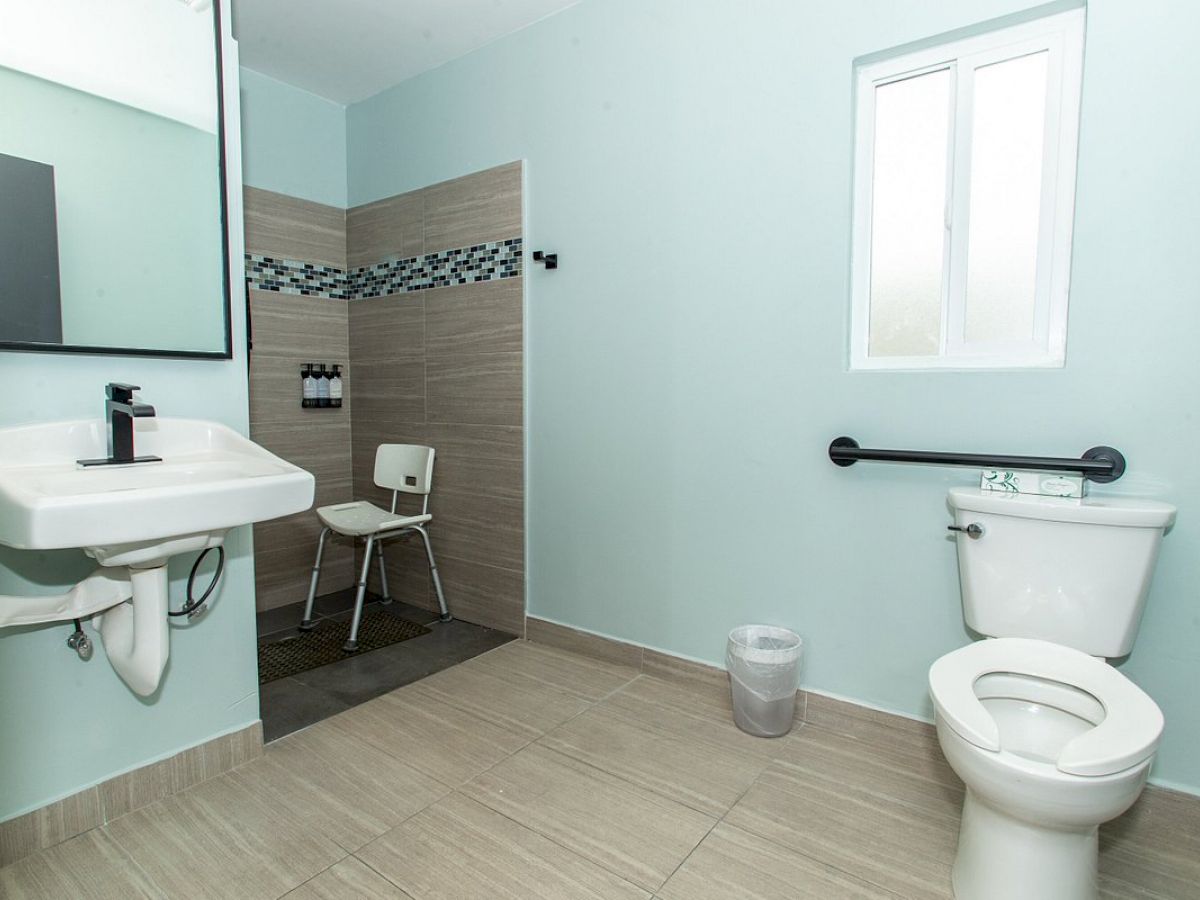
x: 407, y: 469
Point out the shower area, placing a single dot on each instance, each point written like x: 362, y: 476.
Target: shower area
x: 418, y: 299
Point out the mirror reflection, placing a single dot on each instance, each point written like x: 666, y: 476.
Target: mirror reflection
x: 111, y: 185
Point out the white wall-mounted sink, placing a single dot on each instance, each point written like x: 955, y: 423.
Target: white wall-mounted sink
x: 131, y: 519
x: 210, y: 479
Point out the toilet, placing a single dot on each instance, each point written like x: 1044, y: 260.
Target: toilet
x: 1049, y: 739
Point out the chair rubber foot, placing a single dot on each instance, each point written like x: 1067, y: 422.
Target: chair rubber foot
x: 445, y: 617
x: 307, y: 625
x: 350, y: 646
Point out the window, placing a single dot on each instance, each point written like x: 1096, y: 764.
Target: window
x: 964, y: 198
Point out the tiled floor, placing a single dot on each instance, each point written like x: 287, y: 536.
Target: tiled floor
x: 531, y: 773
x: 298, y: 701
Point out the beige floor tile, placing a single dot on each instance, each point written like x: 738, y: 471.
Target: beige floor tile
x: 1155, y: 845
x: 628, y: 830
x: 733, y: 863
x: 700, y: 775
x: 461, y: 850
x: 227, y: 837
x: 90, y: 867
x: 349, y: 878
x: 520, y: 704
x: 922, y: 782
x: 347, y: 788
x: 589, y: 678
x: 885, y: 843
x: 430, y: 735
x: 694, y: 714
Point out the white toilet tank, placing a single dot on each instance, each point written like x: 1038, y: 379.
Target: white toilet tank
x: 1075, y: 572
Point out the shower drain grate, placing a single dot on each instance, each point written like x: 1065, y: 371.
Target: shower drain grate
x: 323, y: 645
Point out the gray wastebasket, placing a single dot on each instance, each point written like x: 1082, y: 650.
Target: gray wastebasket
x: 764, y: 672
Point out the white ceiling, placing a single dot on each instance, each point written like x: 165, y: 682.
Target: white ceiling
x: 347, y: 50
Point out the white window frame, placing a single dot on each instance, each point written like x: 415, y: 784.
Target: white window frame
x: 1062, y: 36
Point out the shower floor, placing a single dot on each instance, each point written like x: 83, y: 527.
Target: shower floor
x: 300, y: 700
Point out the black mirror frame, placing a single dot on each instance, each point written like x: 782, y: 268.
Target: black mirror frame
x: 223, y: 187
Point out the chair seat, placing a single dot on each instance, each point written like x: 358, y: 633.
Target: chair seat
x: 360, y: 519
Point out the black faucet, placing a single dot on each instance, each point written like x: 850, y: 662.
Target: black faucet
x: 120, y: 409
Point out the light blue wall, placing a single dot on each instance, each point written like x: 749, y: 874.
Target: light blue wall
x: 293, y: 142
x: 66, y: 724
x: 690, y: 162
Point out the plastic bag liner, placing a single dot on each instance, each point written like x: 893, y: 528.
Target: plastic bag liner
x: 764, y: 672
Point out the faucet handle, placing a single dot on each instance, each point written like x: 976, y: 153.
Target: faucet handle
x: 122, y: 393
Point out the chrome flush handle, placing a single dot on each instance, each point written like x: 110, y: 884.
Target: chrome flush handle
x: 974, y: 530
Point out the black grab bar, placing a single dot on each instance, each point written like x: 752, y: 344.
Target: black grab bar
x: 1100, y: 464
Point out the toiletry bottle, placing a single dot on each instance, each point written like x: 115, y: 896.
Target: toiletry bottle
x: 322, y: 386
x: 310, y: 385
x: 303, y: 383
x: 335, y: 386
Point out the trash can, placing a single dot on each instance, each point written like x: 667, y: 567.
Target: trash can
x: 764, y: 672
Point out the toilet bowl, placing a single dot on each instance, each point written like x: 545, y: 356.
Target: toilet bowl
x: 1050, y: 742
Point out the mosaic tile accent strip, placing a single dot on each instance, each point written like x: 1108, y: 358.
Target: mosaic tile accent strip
x: 462, y: 265
x: 293, y: 276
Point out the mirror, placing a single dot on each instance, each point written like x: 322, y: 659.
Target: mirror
x: 112, y: 178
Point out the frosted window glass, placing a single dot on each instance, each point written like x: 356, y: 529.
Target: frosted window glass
x: 1008, y: 130
x: 908, y: 215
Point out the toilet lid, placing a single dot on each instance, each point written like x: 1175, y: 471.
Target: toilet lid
x: 1132, y: 722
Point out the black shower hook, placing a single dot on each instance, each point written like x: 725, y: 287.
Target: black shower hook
x: 550, y: 260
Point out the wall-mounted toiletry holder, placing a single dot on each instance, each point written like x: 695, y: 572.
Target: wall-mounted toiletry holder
x: 1100, y: 464
x: 321, y: 385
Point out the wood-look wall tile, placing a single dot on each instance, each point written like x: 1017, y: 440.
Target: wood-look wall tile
x: 286, y: 227
x: 393, y: 227
x: 326, y: 455
x: 475, y: 318
x: 281, y: 576
x: 133, y: 790
x: 504, y: 442
x: 475, y: 388
x: 392, y: 391
x: 483, y: 594
x: 275, y: 386
x: 407, y: 571
x: 484, y: 206
x: 574, y: 641
x: 299, y: 530
x: 386, y: 328
x: 50, y: 825
x: 685, y: 671
x: 312, y: 329
x: 479, y: 475
x: 476, y: 528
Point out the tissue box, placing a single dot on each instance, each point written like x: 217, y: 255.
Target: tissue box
x: 1049, y: 484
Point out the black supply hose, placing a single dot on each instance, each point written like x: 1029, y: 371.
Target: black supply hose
x: 192, y: 605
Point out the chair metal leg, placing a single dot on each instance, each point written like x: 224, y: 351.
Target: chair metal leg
x: 387, y: 595
x: 307, y: 623
x: 352, y: 644
x: 437, y: 581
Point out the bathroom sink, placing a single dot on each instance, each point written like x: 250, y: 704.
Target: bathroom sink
x: 210, y: 479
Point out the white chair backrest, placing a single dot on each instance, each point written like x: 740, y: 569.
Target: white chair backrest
x: 404, y: 467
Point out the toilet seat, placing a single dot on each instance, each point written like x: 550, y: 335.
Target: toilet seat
x: 1128, y: 734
